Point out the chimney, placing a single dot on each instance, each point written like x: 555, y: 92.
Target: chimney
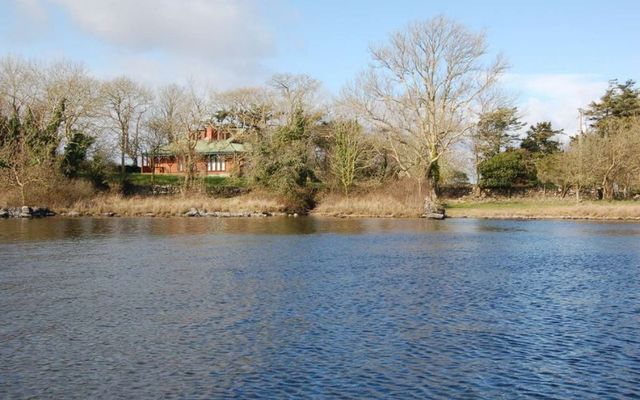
x: 209, y: 132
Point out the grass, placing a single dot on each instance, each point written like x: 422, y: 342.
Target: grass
x: 175, y: 205
x: 544, y: 208
x: 399, y: 200
x: 162, y: 179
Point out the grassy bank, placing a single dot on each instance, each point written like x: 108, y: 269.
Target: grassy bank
x: 177, y: 180
x: 399, y: 203
x: 545, y: 208
x: 396, y: 202
x: 174, y: 205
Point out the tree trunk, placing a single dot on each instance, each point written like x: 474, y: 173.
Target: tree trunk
x: 123, y: 149
x: 152, y: 163
x: 433, y: 209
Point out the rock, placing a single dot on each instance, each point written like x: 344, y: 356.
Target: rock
x: 149, y: 214
x: 39, y: 212
x: 108, y: 214
x: 25, y: 212
x: 73, y: 214
x: 434, y: 215
x: 193, y: 212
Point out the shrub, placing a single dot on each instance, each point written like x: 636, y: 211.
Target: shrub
x: 507, y: 170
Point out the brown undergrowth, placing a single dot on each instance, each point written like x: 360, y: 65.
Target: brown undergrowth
x: 400, y: 199
x: 176, y: 205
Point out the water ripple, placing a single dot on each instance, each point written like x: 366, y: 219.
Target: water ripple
x: 344, y: 309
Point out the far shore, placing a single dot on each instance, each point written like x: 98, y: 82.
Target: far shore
x: 370, y: 206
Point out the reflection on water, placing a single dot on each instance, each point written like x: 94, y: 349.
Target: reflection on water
x: 308, y: 307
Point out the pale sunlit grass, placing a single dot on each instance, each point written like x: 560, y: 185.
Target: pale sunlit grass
x: 176, y: 205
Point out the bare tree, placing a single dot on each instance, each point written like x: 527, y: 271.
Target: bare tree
x: 164, y: 122
x: 29, y: 126
x: 347, y: 154
x: 613, y: 159
x: 193, y: 115
x: 80, y: 92
x: 422, y: 90
x: 295, y: 92
x: 249, y: 109
x: 125, y: 104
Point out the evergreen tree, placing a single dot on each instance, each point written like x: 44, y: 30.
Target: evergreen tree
x: 75, y: 154
x: 539, y: 139
x: 496, y: 131
x: 507, y: 170
x: 619, y: 104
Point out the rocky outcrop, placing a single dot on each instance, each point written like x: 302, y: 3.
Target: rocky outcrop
x: 433, y: 210
x: 434, y: 215
x: 194, y: 212
x: 26, y: 212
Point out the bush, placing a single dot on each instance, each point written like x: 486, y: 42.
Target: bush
x: 507, y: 170
x: 57, y: 192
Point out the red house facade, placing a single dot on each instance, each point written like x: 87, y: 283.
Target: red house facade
x: 218, y: 154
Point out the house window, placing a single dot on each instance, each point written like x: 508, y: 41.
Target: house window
x: 216, y: 164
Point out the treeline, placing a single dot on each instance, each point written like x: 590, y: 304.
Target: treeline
x: 430, y: 94
x: 602, y: 159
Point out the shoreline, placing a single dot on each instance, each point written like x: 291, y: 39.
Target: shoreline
x: 261, y: 205
x: 314, y: 215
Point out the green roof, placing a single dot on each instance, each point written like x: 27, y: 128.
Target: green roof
x: 210, y: 147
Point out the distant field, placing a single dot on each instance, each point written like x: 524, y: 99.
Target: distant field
x: 536, y: 208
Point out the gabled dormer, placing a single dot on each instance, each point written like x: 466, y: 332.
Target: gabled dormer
x: 211, y: 133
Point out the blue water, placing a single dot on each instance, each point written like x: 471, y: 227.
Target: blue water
x: 319, y: 308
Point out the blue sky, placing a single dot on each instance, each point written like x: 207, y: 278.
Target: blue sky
x: 562, y: 53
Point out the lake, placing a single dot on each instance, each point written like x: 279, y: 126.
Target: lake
x: 318, y: 308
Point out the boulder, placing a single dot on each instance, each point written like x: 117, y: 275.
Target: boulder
x: 73, y: 214
x: 40, y: 212
x: 4, y: 213
x: 434, y: 215
x: 193, y: 212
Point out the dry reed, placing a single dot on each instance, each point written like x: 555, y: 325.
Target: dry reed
x: 175, y: 205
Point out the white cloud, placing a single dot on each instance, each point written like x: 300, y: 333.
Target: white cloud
x: 555, y: 97
x: 35, y: 15
x: 32, y: 9
x: 158, y: 71
x: 226, y: 40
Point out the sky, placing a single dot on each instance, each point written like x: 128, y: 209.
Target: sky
x: 561, y: 53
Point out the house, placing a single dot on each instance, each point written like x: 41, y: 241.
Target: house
x: 219, y: 154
